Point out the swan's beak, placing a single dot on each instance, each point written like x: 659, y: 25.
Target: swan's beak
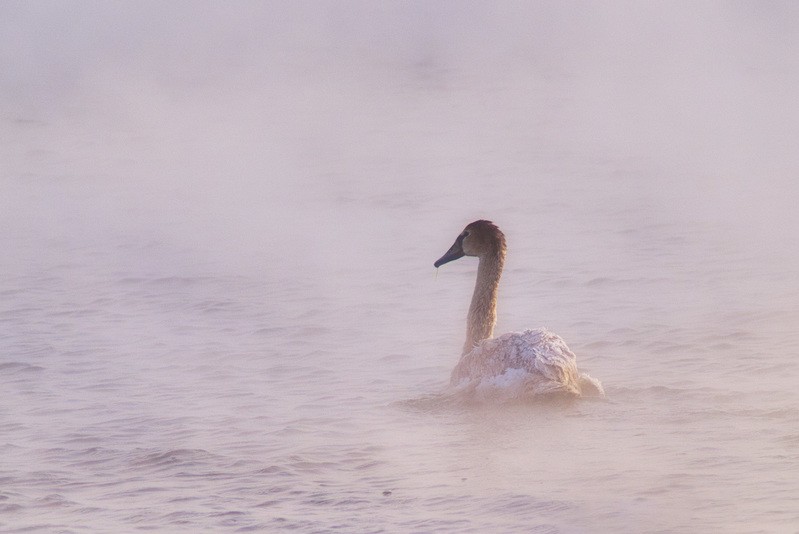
x: 455, y: 252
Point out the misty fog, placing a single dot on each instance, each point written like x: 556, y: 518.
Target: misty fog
x: 262, y: 187
x: 244, y: 106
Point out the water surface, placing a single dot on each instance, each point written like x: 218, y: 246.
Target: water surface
x: 218, y: 310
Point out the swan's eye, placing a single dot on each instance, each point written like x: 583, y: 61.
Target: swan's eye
x: 464, y: 234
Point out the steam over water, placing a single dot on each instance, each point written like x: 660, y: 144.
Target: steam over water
x: 218, y: 310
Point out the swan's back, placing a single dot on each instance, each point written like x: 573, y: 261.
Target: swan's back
x: 529, y: 363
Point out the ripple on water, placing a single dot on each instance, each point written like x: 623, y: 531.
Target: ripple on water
x: 172, y: 458
x: 19, y: 367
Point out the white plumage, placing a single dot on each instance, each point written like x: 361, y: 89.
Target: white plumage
x: 529, y: 363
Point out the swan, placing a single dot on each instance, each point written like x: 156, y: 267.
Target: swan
x: 529, y: 363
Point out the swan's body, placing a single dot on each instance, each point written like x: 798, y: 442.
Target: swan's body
x: 533, y: 362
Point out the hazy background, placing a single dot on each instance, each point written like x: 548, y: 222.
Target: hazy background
x: 215, y: 117
x: 296, y: 139
x: 217, y: 228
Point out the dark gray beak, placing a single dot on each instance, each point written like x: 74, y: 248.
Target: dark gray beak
x: 454, y: 252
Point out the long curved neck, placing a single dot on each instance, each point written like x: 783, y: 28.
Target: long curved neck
x: 483, y: 310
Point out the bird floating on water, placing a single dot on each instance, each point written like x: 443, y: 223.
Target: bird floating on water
x: 530, y: 363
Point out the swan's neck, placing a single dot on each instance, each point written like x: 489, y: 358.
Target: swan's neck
x: 483, y: 310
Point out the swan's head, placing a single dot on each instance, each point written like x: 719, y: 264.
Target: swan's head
x: 480, y: 238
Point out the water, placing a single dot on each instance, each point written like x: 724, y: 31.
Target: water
x: 218, y: 310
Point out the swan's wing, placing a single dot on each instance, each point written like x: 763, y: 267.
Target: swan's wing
x: 537, y: 361
x: 556, y: 361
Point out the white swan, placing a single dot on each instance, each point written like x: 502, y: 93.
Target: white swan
x: 533, y: 362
